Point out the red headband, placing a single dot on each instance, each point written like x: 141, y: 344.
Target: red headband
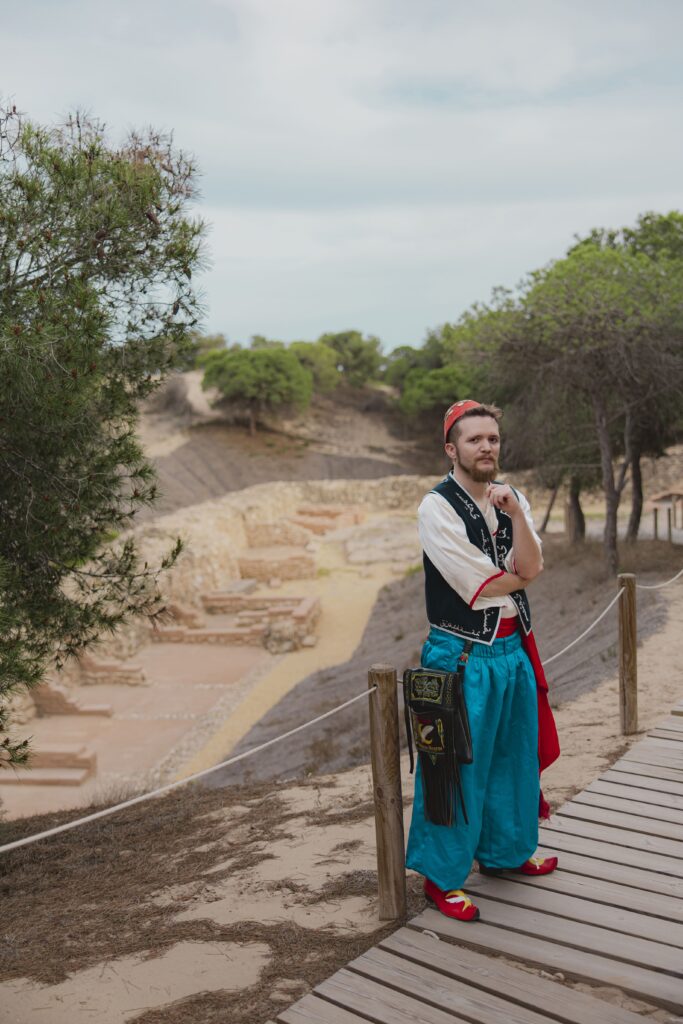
x: 455, y: 412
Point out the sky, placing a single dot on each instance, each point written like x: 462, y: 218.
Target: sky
x: 375, y: 164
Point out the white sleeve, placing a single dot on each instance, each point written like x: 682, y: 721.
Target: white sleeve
x: 445, y: 542
x: 526, y: 508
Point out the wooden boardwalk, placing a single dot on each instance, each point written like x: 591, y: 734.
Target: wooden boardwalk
x: 611, y: 915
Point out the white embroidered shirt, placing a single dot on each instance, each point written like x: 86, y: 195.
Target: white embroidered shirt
x: 461, y: 563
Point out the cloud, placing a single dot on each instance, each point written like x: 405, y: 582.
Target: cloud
x: 380, y: 163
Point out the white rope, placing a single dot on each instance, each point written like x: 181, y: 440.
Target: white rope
x: 262, y: 746
x: 657, y: 586
x: 587, y: 631
x: 180, y: 782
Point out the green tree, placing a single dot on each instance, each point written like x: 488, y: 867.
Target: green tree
x: 398, y: 364
x: 428, y: 393
x: 198, y: 347
x: 606, y: 326
x: 97, y: 251
x: 657, y: 235
x: 260, y: 341
x: 321, y: 360
x: 262, y: 380
x: 650, y: 427
x: 358, y: 358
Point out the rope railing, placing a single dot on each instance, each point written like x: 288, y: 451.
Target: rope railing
x: 153, y: 794
x: 586, y: 631
x: 658, y: 586
x: 179, y: 782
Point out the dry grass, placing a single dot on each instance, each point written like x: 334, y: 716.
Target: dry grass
x: 91, y: 895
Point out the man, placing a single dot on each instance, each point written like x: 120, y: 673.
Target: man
x: 480, y: 554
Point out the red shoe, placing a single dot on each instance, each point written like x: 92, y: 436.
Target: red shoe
x: 453, y: 902
x: 532, y: 866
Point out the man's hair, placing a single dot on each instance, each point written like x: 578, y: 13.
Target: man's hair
x: 479, y: 410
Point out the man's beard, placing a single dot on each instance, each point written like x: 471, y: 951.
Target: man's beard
x: 484, y: 476
x: 479, y: 474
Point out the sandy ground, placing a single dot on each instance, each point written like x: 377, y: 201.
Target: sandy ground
x: 301, y: 862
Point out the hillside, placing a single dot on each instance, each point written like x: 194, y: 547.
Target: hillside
x: 201, y: 452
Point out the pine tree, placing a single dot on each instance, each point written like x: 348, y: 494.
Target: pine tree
x: 97, y: 252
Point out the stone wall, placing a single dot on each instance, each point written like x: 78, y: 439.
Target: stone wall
x: 218, y: 533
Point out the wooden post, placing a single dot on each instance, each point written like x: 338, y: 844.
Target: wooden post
x: 386, y: 782
x: 656, y: 517
x: 628, y: 661
x: 669, y: 533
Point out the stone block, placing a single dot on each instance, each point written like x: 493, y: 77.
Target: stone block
x: 93, y: 672
x: 285, y: 563
x: 184, y: 614
x: 50, y: 699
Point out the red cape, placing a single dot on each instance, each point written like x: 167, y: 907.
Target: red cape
x: 548, y: 742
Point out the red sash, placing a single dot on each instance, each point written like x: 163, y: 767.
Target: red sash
x: 548, y: 742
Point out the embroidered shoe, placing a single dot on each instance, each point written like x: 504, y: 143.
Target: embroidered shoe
x: 452, y: 902
x: 532, y: 866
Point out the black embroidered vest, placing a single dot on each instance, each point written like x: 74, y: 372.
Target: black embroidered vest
x: 445, y: 608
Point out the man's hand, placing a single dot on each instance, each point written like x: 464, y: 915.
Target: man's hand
x: 528, y: 560
x: 503, y: 497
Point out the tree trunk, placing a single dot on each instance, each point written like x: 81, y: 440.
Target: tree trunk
x: 636, y: 498
x: 252, y: 421
x: 544, y: 525
x: 608, y: 486
x: 574, y: 520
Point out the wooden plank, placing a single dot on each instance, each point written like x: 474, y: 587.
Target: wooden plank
x: 615, y: 857
x: 670, y: 723
x: 653, y: 986
x: 380, y: 1004
x: 662, y: 854
x: 674, y: 728
x: 652, y: 743
x: 674, y: 784
x: 655, y: 758
x: 587, y: 937
x: 587, y: 811
x: 667, y: 734
x: 577, y: 877
x: 313, y: 1010
x: 663, y: 745
x: 560, y: 905
x: 495, y: 975
x: 632, y: 807
x: 648, y: 794
x: 429, y: 987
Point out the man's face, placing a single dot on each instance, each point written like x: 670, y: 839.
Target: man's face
x: 476, y: 447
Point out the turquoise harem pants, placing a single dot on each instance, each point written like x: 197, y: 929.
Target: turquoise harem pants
x: 501, y: 786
